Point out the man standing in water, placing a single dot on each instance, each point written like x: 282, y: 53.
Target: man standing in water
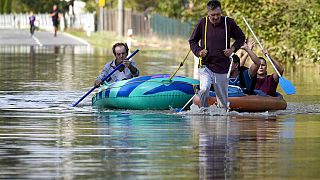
x: 214, y: 52
x: 55, y: 15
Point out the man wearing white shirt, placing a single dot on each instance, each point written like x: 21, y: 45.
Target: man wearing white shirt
x: 130, y: 70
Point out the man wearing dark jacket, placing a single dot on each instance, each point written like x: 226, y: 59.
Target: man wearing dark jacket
x: 214, y: 33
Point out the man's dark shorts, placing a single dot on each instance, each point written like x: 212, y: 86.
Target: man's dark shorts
x: 55, y: 23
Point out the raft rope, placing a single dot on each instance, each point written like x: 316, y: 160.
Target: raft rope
x: 225, y: 26
x: 230, y: 57
x: 205, y: 40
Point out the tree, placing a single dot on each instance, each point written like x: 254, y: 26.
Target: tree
x: 172, y: 8
x: 289, y: 28
x: 1, y: 6
x: 7, y: 6
x: 141, y: 5
x: 38, y: 6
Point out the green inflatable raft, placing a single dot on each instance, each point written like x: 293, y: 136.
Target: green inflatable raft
x: 155, y: 92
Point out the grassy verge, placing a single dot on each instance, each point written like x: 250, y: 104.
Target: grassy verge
x: 106, y: 39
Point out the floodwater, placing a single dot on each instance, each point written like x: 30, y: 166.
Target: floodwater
x: 42, y: 137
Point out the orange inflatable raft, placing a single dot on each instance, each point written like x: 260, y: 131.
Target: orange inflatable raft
x: 250, y: 103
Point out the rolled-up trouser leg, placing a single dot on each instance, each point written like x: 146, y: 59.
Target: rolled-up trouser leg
x: 221, y: 89
x: 205, y: 83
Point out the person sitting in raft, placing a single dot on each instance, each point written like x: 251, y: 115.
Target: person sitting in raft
x: 241, y: 76
x: 130, y: 70
x: 267, y: 84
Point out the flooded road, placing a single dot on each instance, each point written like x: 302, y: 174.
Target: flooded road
x: 42, y: 137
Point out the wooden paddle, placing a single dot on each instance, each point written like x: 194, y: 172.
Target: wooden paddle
x: 107, y: 77
x: 285, y: 84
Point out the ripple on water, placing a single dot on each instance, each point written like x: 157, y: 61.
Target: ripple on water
x: 60, y: 102
x: 292, y: 108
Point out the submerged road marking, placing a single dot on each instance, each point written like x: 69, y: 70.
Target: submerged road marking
x: 37, y: 41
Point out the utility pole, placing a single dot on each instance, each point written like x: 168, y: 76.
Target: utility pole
x: 120, y: 18
x: 102, y: 3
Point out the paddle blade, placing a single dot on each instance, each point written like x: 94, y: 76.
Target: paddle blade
x: 287, y: 86
x: 179, y: 110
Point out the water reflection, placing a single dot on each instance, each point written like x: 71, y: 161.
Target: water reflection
x: 48, y: 49
x: 144, y: 144
x: 228, y: 146
x: 32, y: 53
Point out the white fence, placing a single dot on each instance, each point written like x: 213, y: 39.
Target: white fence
x: 43, y: 21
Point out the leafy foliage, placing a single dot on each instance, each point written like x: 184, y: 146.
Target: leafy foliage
x: 141, y: 5
x: 7, y: 6
x: 289, y: 29
x: 1, y: 6
x: 172, y: 8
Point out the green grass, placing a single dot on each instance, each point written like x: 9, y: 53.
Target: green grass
x: 106, y: 39
x: 103, y: 40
